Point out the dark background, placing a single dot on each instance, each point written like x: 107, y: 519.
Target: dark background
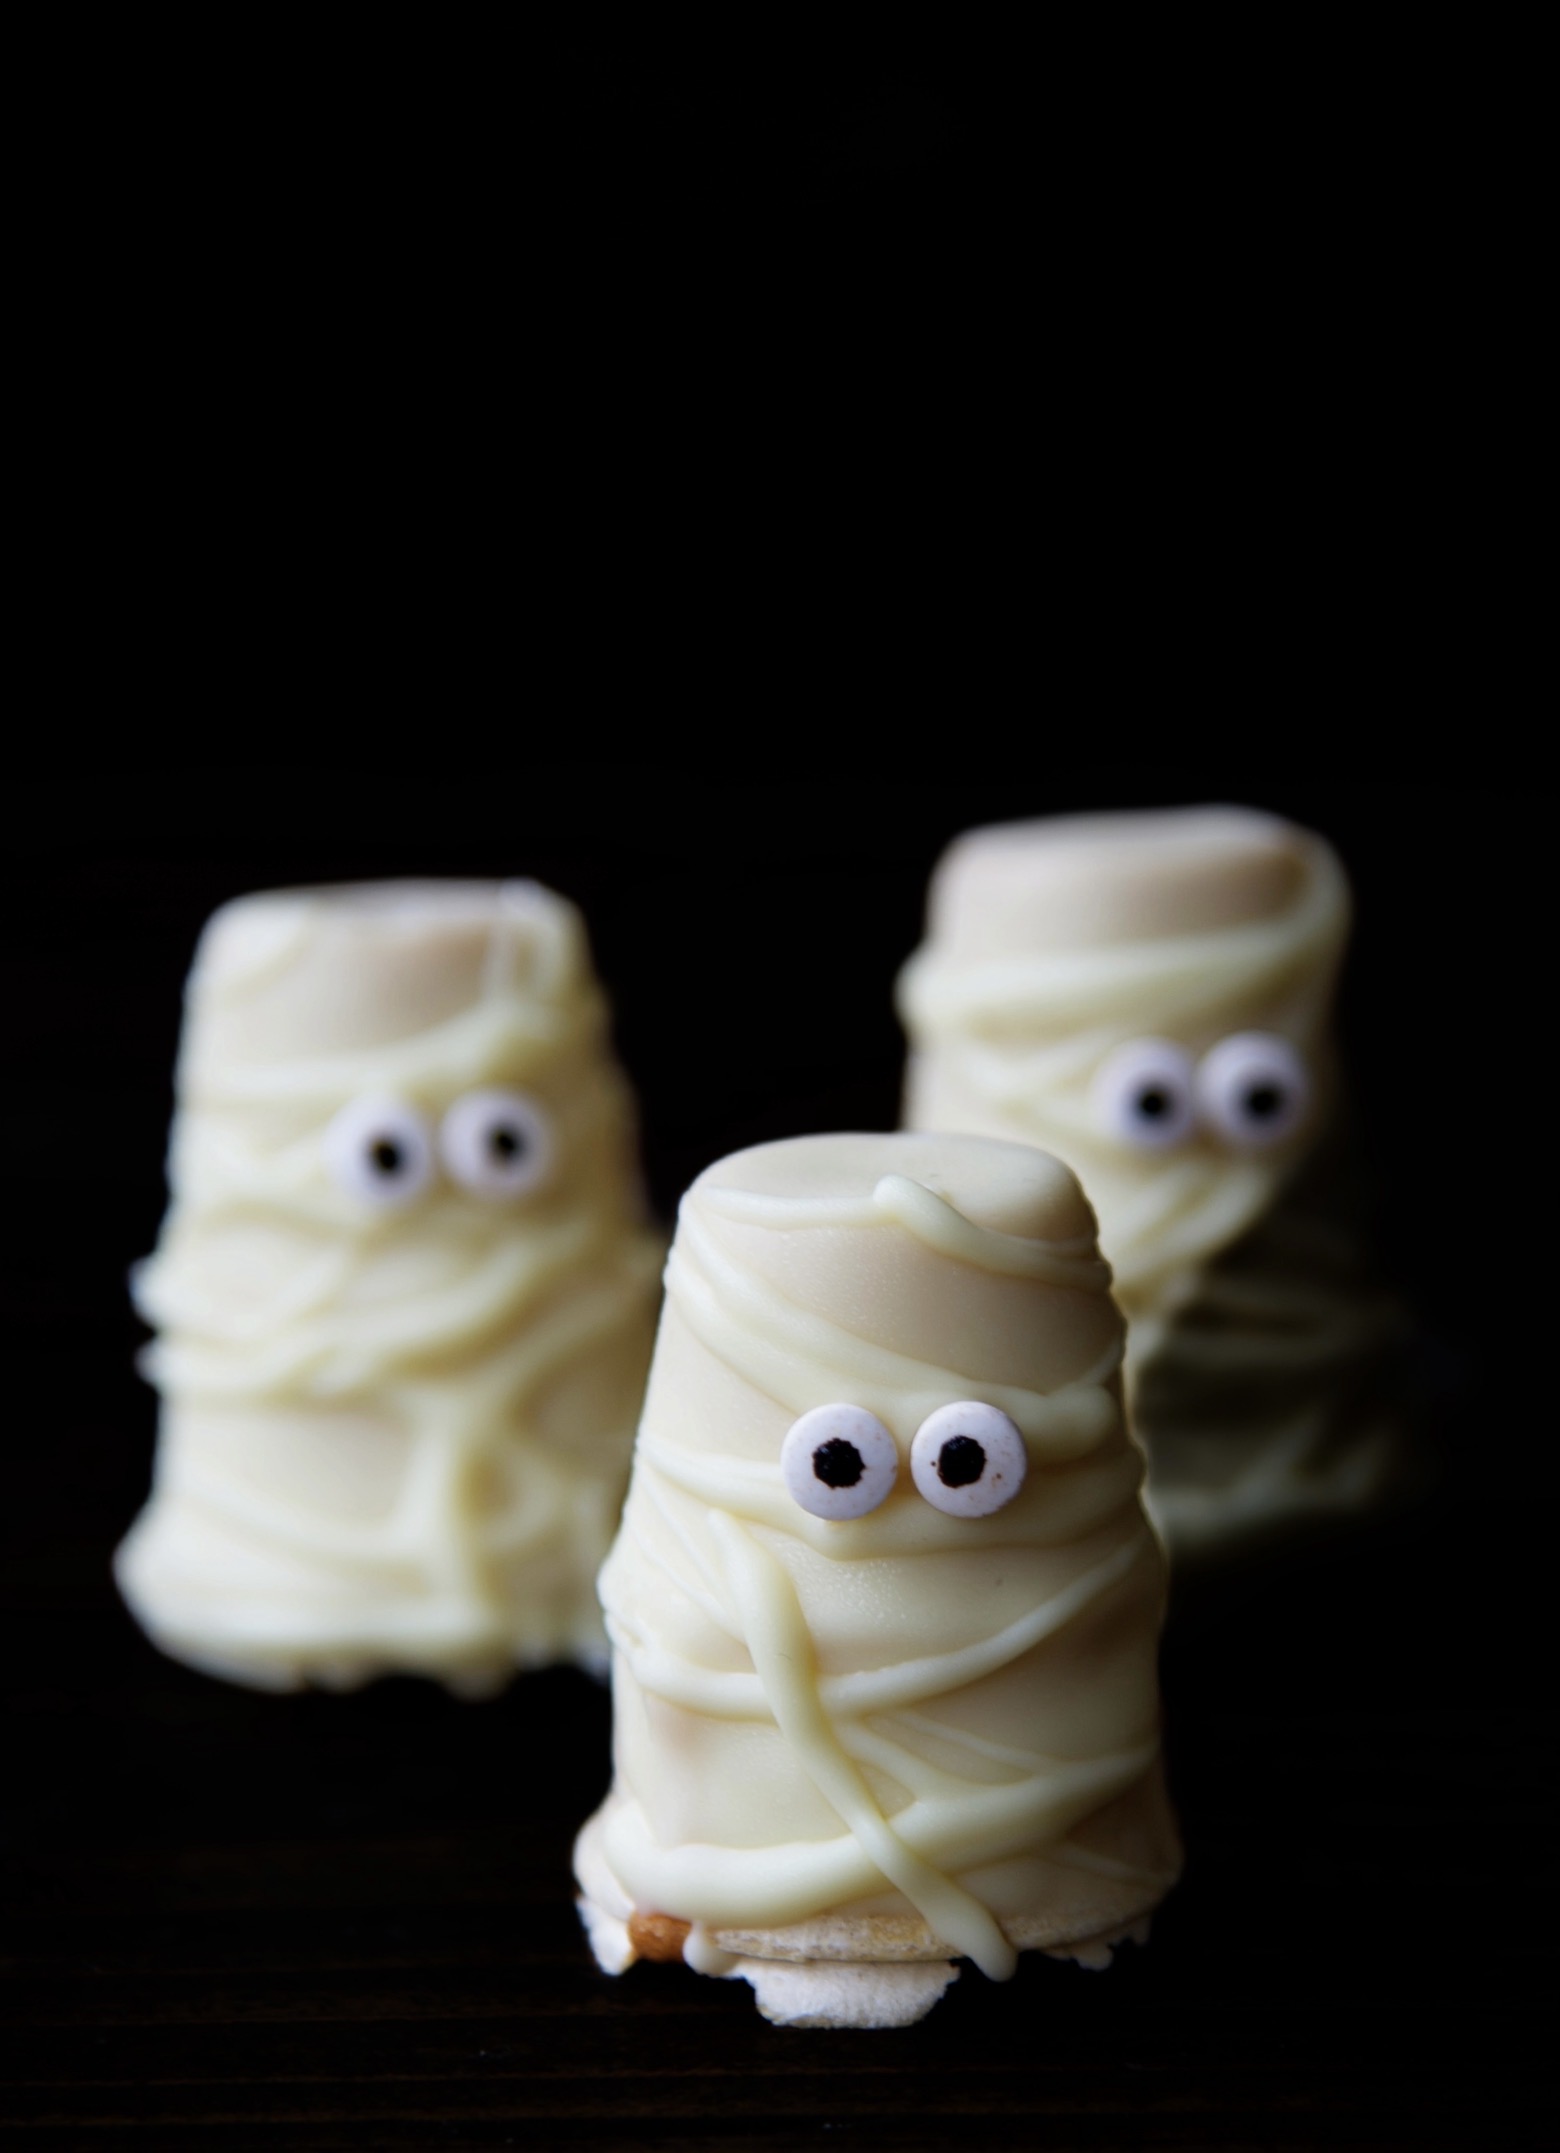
x: 234, y: 1921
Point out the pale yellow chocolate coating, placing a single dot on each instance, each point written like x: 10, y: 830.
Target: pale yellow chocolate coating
x: 1052, y: 944
x: 895, y: 1736
x: 391, y: 1439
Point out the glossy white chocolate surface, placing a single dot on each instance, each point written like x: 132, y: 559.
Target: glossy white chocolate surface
x: 905, y: 1735
x: 1066, y: 960
x: 394, y: 1436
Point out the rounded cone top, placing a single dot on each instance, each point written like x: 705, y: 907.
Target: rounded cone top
x: 1084, y: 881
x: 964, y: 1253
x: 358, y: 965
x: 1006, y: 1188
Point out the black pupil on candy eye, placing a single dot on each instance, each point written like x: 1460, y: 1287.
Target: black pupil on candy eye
x: 1263, y: 1101
x: 838, y: 1463
x: 960, y: 1462
x: 386, y: 1155
x: 1153, y: 1104
x: 506, y: 1142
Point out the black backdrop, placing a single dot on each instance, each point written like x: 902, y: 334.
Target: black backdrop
x: 236, y: 1921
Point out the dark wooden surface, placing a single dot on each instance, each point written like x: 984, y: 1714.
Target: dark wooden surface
x: 235, y: 1922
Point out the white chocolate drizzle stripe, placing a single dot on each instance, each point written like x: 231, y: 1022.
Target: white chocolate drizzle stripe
x: 770, y: 1885
x: 899, y: 1200
x: 766, y: 1339
x: 1194, y: 975
x: 701, y: 1595
x: 466, y: 1051
x: 907, y: 1767
x: 360, y: 1351
x: 722, y: 1694
x: 166, y: 1293
x: 508, y: 1271
x: 456, y: 1429
x: 940, y: 1226
x: 782, y: 1650
x: 1028, y: 1760
x: 429, y: 1525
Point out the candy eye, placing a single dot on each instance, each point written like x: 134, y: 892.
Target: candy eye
x: 1253, y: 1089
x: 1145, y: 1094
x: 497, y: 1143
x: 380, y: 1151
x: 839, y: 1461
x: 968, y: 1459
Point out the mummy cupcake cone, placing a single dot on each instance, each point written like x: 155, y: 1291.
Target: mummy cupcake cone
x: 403, y: 1295
x: 884, y: 1604
x: 1149, y: 996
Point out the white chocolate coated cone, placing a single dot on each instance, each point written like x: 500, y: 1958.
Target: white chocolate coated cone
x: 909, y: 1735
x: 394, y: 1433
x: 1256, y: 1336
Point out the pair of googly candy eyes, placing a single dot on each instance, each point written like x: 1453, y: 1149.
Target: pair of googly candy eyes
x: 839, y: 1461
x: 384, y: 1152
x: 1252, y: 1090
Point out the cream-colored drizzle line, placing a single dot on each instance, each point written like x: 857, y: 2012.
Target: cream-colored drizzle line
x: 752, y: 1599
x: 730, y: 1694
x: 455, y: 1056
x: 781, y: 1645
x: 455, y: 1421
x: 932, y: 1219
x: 337, y: 1351
x: 765, y: 1338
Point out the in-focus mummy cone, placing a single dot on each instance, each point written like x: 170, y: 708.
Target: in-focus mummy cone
x: 1150, y: 997
x: 403, y: 1296
x: 884, y: 1605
